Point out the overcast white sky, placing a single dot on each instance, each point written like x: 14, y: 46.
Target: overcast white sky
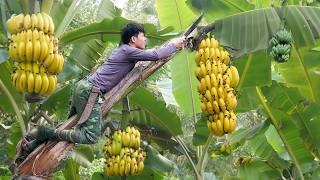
x: 120, y: 3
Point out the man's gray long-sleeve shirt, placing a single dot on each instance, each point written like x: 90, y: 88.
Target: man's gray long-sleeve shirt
x: 121, y: 62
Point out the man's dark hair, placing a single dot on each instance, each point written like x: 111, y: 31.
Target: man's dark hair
x: 129, y: 30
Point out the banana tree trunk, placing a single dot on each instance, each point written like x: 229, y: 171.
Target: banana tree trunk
x: 44, y: 160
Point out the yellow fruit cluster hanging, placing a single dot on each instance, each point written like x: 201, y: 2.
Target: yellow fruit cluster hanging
x: 217, y: 80
x: 123, y: 154
x: 34, y: 51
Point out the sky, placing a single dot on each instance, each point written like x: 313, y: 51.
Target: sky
x: 120, y: 3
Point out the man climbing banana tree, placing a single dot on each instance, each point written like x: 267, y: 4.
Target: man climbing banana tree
x: 88, y: 93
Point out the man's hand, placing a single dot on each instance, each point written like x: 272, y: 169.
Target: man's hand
x: 179, y: 42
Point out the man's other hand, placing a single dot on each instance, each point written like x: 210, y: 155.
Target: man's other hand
x: 179, y: 42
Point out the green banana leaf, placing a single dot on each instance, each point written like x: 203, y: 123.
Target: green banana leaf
x: 254, y: 70
x: 14, y: 137
x: 58, y: 102
x: 160, y: 116
x: 5, y: 76
x: 215, y: 9
x: 277, y: 107
x: 71, y: 170
x: 107, y: 10
x: 301, y: 71
x: 251, y: 31
x: 264, y: 3
x: 265, y: 151
x: 304, y: 23
x: 3, y: 20
x: 202, y: 132
x: 108, y: 30
x: 14, y: 6
x: 257, y: 170
x: 62, y: 13
x: 244, y: 134
x: 182, y: 66
x: 184, y: 83
x: 247, y: 32
x: 147, y: 173
x: 86, y: 55
x: 247, y: 99
x: 174, y: 13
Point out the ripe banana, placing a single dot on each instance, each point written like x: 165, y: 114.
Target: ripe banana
x: 31, y: 82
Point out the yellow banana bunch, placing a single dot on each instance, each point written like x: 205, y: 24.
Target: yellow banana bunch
x: 123, y: 154
x: 217, y: 80
x: 40, y: 21
x: 34, y: 49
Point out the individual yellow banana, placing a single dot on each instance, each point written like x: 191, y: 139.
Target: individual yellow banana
x: 222, y: 104
x: 140, y: 166
x: 44, y: 48
x: 23, y: 81
x: 61, y: 63
x: 208, y: 96
x: 52, y: 85
x: 203, y: 70
x: 49, y: 60
x: 207, y: 54
x: 31, y: 83
x: 46, y: 23
x: 28, y: 35
x: 220, y: 128
x: 11, y: 25
x: 213, y: 80
x: 35, y: 35
x: 28, y: 67
x: 51, y: 27
x: 216, y: 106
x: 231, y: 101
x: 208, y: 43
x: 208, y: 67
x: 19, y: 22
x: 34, y: 22
x: 233, y: 125
x: 203, y: 85
x: 36, y: 50
x: 221, y: 92
x: 209, y: 107
x: 202, y: 44
x: 45, y: 84
x: 214, y: 93
x: 51, y: 48
x: 208, y: 82
x: 22, y: 51
x: 214, y: 69
x: 226, y: 125
x: 38, y: 83
x: 203, y: 107
x: 213, y: 43
x: 53, y: 68
x: 235, y: 76
x: 215, y: 128
x: 40, y: 22
x: 218, y: 54
x: 27, y: 22
x: 197, y: 57
x: 29, y: 51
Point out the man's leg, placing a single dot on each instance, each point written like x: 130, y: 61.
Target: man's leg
x: 86, y: 133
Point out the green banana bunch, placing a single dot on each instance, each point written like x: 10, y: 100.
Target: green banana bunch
x: 281, y: 45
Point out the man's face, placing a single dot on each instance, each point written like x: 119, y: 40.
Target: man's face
x: 139, y: 41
